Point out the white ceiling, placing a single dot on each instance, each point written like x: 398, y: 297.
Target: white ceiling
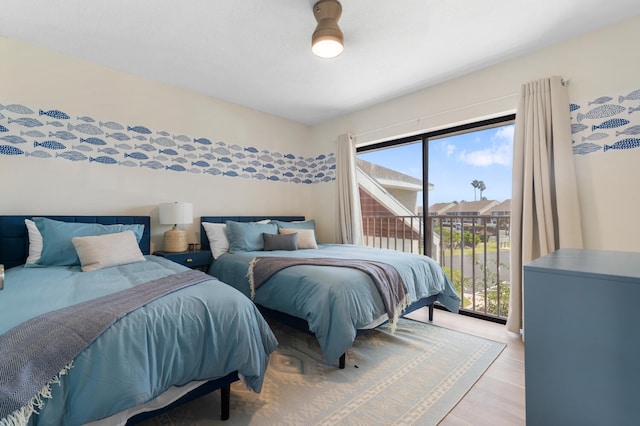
x: 257, y: 53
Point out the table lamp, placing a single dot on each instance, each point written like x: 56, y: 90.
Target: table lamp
x: 175, y: 240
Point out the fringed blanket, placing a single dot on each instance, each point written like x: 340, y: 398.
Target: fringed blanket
x: 392, y: 289
x: 35, y: 353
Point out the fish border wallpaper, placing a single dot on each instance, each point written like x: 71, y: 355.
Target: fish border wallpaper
x: 54, y: 134
x: 606, y: 123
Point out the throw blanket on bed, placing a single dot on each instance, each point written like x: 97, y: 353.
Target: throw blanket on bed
x: 390, y: 284
x: 26, y: 369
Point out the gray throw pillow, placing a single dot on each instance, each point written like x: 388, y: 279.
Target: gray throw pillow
x: 280, y: 242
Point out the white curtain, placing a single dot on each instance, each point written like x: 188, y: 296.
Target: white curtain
x: 545, y: 211
x: 349, y: 229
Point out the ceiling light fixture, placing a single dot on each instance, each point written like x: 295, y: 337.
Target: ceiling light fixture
x: 327, y: 40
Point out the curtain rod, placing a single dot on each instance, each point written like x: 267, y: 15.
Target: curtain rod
x: 565, y: 82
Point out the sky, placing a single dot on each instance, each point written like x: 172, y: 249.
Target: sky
x: 455, y: 161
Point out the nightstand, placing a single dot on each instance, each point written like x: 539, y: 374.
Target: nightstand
x: 199, y: 259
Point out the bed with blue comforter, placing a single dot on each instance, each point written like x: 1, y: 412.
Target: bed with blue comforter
x: 198, y: 333
x: 335, y: 302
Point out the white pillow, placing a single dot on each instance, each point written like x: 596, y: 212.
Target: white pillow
x: 35, y: 241
x: 103, y: 251
x: 217, y: 235
x: 306, y: 237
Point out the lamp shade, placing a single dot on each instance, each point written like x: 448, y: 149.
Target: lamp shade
x: 327, y: 40
x: 176, y: 213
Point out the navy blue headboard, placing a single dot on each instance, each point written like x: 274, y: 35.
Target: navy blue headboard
x: 14, y: 239
x: 204, y: 241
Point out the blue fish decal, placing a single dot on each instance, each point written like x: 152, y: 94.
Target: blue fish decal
x: 251, y: 149
x: 221, y: 151
x: 239, y: 155
x: 610, y: 124
x: 164, y: 141
x: 109, y: 151
x: 163, y: 133
x: 602, y: 111
x: 10, y: 150
x: 601, y: 100
x: 168, y: 151
x: 3, y: 129
x: 586, y: 148
x: 208, y: 156
x: 26, y: 122
x: 175, y: 168
x: 332, y: 167
x: 33, y: 134
x: 13, y: 139
x: 265, y: 158
x: 633, y: 130
x: 49, y: 145
x: 331, y: 160
x: 87, y: 128
x: 631, y: 110
x: 303, y: 170
x: 180, y: 160
x: 104, y: 159
x: 595, y: 137
x: 225, y: 160
x: 62, y: 134
x: 55, y: 124
x: 187, y: 147
x: 195, y: 170
x: 633, y: 96
x: 288, y: 174
x: 38, y: 154
x: 127, y: 163
x: 269, y: 166
x: 93, y: 141
x: 86, y: 119
x: 123, y: 146
x: 321, y: 157
x: 18, y: 109
x: 54, y: 113
x: 213, y: 171
x: 573, y: 107
x: 72, y: 156
x: 273, y: 178
x: 624, y: 144
x: 82, y: 148
x: 140, y: 137
x: 112, y: 125
x: 200, y: 163
x: 146, y: 147
x: 235, y: 147
x: 191, y: 155
x: 230, y: 173
x: 139, y: 129
x: 249, y: 169
x: 152, y: 165
x: 136, y: 155
x: 161, y: 158
x: 203, y: 141
x: 119, y: 136
x: 182, y: 138
x: 259, y: 176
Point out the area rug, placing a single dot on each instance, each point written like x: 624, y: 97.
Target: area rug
x: 414, y: 376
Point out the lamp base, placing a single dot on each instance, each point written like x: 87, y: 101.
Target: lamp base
x: 175, y: 240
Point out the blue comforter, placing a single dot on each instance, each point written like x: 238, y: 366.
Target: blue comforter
x: 202, y: 332
x: 335, y: 301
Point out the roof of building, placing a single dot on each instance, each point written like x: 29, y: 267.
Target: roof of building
x: 384, y: 174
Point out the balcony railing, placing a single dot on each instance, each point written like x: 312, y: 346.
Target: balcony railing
x: 473, y: 250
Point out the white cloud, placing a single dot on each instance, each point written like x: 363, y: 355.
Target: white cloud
x: 501, y: 151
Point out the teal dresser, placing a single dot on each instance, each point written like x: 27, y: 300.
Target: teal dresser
x: 582, y: 338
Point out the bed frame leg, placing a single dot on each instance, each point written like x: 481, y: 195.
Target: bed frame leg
x: 225, y: 401
x: 431, y: 312
x: 343, y: 360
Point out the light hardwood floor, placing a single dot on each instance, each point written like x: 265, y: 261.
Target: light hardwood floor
x: 498, y: 396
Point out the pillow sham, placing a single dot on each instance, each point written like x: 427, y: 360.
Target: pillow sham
x: 103, y: 251
x: 217, y: 236
x: 35, y: 241
x: 57, y: 248
x: 247, y: 236
x: 287, y: 242
x: 304, y: 224
x: 306, y: 237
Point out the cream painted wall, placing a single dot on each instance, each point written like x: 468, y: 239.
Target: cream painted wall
x: 597, y: 64
x: 44, y: 79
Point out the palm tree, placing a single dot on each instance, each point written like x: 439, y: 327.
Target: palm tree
x: 481, y: 187
x: 476, y: 185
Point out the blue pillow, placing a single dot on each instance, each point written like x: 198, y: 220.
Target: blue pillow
x: 307, y: 224
x: 57, y: 248
x: 247, y: 236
